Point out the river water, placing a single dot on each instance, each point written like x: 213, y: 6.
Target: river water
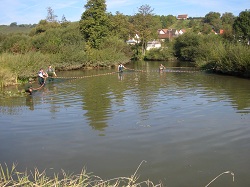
x: 188, y: 126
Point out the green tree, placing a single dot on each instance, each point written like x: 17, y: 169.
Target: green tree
x: 187, y: 45
x: 167, y: 21
x: 192, y: 23
x: 213, y: 19
x: 94, y: 23
x: 43, y: 26
x: 228, y: 32
x: 241, y: 26
x: 227, y: 18
x: 120, y: 26
x: 16, y: 43
x: 145, y: 25
x: 207, y: 28
x: 14, y: 24
x: 64, y: 22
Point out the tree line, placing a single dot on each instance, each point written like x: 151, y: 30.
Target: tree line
x: 99, y: 38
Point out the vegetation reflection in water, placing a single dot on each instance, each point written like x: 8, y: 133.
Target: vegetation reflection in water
x: 234, y: 88
x: 133, y: 107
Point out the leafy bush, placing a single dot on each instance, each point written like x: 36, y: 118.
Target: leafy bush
x: 159, y: 54
x: 186, y: 46
x: 226, y: 58
x: 16, y: 43
x: 7, y: 77
x: 24, y: 65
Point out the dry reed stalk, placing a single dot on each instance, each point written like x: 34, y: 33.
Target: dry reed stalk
x: 226, y: 172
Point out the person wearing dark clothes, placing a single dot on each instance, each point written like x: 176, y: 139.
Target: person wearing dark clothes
x: 28, y: 88
x: 51, y: 72
x: 121, y: 67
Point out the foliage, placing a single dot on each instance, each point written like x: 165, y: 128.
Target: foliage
x: 4, y: 29
x: 228, y: 32
x: 224, y: 57
x: 94, y: 23
x: 110, y: 51
x: 167, y: 21
x: 195, y: 25
x: 55, y: 40
x: 24, y: 65
x: 145, y: 25
x: 120, y: 26
x: 234, y: 60
x: 227, y: 18
x: 98, y: 39
x: 163, y: 54
x: 7, y: 77
x: 182, y: 24
x: 63, y: 47
x: 16, y: 43
x: 242, y: 26
x: 213, y: 19
x: 13, y: 24
x: 43, y: 26
x: 186, y: 46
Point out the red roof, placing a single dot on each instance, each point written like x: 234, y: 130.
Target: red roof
x: 182, y: 16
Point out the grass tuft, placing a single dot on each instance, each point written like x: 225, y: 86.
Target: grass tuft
x: 10, y: 177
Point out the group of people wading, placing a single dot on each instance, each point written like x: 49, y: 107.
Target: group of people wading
x: 42, y: 76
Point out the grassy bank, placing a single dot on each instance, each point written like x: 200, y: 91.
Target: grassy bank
x: 19, y: 67
x: 12, y: 178
x: 62, y: 46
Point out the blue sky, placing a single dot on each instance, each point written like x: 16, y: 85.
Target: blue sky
x: 32, y: 11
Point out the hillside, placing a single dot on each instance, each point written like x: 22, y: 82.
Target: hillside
x: 179, y: 24
x: 5, y: 29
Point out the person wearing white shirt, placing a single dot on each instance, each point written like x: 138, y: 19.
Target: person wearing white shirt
x: 42, y: 76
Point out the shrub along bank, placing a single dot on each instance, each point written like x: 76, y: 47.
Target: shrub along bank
x: 23, y: 55
x: 63, y: 47
x: 214, y: 53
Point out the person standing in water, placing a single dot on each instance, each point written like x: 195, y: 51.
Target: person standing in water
x: 51, y: 72
x: 28, y: 87
x: 121, y: 67
x: 42, y: 77
x: 161, y: 68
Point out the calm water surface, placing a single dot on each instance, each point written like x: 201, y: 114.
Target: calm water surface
x: 189, y: 126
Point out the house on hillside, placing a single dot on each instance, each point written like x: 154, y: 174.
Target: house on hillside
x: 164, y: 34
x: 182, y: 31
x: 182, y: 16
x: 134, y: 40
x: 153, y: 45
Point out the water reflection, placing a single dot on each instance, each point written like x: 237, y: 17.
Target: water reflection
x: 145, y: 86
x: 120, y: 76
x: 177, y: 121
x: 29, y: 102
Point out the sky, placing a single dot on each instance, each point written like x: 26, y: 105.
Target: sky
x: 32, y: 11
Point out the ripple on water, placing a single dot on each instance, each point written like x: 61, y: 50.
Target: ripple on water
x: 188, y: 125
